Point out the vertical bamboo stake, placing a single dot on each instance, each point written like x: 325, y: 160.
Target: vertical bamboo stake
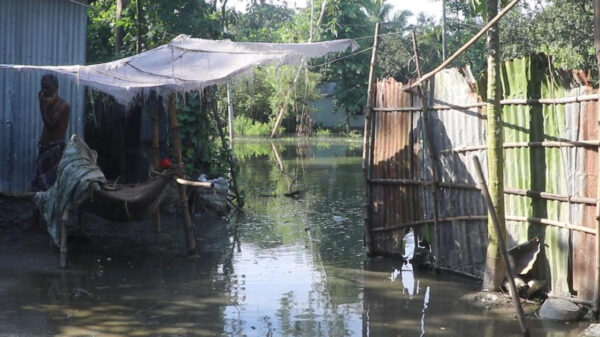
x: 189, y: 228
x: 508, y: 270
x: 428, y: 141
x: 367, y: 145
x: 155, y: 159
x: 596, y: 304
x: 494, y: 265
x: 411, y: 165
x: 63, y: 238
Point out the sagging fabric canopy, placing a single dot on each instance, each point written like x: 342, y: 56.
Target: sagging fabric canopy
x: 187, y: 64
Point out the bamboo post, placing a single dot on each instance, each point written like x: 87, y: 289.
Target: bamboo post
x: 596, y: 306
x: 189, y: 228
x: 494, y: 265
x: 368, y: 142
x: 63, y: 238
x: 428, y: 140
x: 155, y: 160
x: 508, y: 270
x: 465, y: 46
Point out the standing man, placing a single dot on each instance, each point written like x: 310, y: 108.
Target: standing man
x: 55, y: 114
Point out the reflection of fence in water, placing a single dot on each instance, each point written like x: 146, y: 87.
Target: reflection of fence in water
x: 550, y: 170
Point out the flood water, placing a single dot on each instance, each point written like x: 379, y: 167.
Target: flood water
x: 293, y: 266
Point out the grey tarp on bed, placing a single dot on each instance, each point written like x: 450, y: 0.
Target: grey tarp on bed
x: 78, y: 177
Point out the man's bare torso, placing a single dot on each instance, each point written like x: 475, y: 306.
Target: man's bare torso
x: 55, y: 114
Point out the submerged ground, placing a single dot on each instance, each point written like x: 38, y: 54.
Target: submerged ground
x: 291, y: 266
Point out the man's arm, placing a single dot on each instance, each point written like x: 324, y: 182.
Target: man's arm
x: 53, y: 117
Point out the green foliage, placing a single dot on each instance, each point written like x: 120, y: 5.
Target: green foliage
x: 262, y: 23
x: 559, y: 28
x: 245, y: 126
x: 202, y: 149
x: 323, y: 132
x: 562, y: 29
x: 349, y: 19
x: 161, y: 21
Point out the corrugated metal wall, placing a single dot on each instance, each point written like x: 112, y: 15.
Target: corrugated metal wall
x: 553, y: 182
x: 42, y: 32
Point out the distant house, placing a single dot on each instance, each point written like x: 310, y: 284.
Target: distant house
x: 42, y: 32
x: 325, y: 116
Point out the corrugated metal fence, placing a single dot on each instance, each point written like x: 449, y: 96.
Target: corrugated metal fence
x: 41, y: 32
x: 550, y: 169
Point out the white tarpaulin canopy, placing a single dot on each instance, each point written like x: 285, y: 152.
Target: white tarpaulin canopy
x: 187, y: 64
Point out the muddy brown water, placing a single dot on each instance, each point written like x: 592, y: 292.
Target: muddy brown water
x: 295, y: 267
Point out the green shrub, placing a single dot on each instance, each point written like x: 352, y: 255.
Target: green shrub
x: 245, y: 126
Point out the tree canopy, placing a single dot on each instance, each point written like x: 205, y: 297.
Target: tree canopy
x: 558, y: 28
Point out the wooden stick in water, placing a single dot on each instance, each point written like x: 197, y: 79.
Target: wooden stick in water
x: 189, y: 228
x: 508, y: 270
x: 63, y: 238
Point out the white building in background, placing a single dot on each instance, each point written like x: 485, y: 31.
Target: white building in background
x: 325, y: 116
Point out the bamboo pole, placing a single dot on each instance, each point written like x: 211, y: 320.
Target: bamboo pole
x: 189, y: 228
x: 514, y: 101
x: 413, y: 192
x: 508, y: 269
x: 155, y: 160
x: 430, y: 221
x: 513, y: 145
x: 596, y: 307
x: 527, y: 193
x: 553, y: 223
x: 466, y: 218
x: 466, y: 46
x: 428, y: 140
x: 494, y: 265
x: 368, y: 143
x: 201, y: 184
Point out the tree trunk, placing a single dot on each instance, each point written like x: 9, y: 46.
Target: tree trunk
x: 118, y: 30
x: 121, y: 4
x: 444, y: 30
x: 494, y: 266
x: 138, y: 17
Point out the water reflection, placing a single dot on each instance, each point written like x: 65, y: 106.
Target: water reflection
x: 296, y: 268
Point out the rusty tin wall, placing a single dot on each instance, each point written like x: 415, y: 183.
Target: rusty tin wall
x: 42, y: 32
x: 391, y: 158
x: 567, y: 261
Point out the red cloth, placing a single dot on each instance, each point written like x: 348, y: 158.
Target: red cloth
x: 165, y: 163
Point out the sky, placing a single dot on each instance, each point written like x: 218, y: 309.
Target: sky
x: 429, y: 7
